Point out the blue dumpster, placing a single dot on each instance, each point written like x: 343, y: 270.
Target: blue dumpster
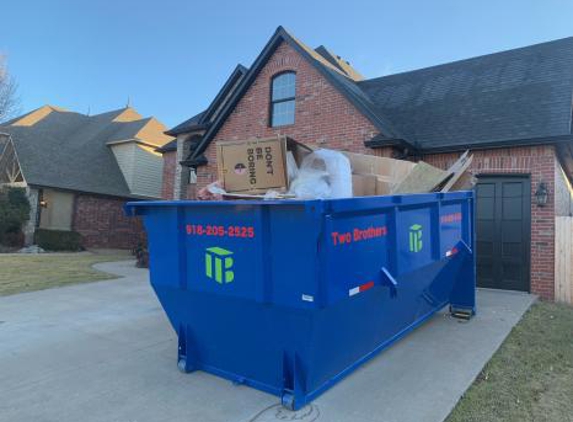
x: 291, y: 296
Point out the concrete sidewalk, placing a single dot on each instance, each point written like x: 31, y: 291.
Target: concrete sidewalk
x: 105, y: 352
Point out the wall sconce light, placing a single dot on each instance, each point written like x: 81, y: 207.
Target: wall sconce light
x: 541, y: 194
x: 43, y: 203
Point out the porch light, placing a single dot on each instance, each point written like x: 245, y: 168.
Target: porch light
x: 43, y: 203
x: 541, y: 194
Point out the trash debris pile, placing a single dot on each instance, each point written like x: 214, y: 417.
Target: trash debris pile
x: 281, y: 168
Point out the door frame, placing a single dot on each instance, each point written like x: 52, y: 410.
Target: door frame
x: 526, y: 177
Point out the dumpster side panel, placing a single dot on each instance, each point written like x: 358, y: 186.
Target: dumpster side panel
x: 243, y: 341
x: 353, y: 330
x: 223, y: 250
x: 357, y: 247
x: 417, y: 239
x: 164, y: 249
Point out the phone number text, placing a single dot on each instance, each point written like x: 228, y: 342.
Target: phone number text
x: 228, y: 231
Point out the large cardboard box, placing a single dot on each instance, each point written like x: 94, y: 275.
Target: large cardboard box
x: 364, y: 184
x: 258, y: 165
x: 374, y: 175
x: 253, y: 166
x: 380, y: 166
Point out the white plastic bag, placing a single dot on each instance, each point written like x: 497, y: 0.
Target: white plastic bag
x: 310, y: 184
x: 323, y: 174
x: 337, y: 168
x: 292, y: 167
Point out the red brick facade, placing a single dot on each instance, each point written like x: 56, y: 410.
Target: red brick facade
x: 323, y: 117
x: 539, y: 163
x: 102, y: 223
x: 169, y: 166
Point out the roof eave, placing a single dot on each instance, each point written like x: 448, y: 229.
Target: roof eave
x: 198, y: 161
x: 507, y: 143
x: 163, y: 150
x: 381, y: 142
x: 194, y: 128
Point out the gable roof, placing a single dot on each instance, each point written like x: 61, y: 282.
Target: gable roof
x: 516, y: 95
x: 69, y: 150
x: 333, y: 73
x: 203, y: 119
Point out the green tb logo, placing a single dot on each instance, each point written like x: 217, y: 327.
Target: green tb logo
x: 416, y: 238
x: 219, y: 264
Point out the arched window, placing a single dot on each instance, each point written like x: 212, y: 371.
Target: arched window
x: 283, y: 88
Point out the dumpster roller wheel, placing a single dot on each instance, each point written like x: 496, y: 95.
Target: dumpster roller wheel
x: 287, y: 400
x: 182, y: 366
x: 461, y: 313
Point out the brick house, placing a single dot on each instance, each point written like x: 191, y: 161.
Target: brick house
x: 512, y: 109
x: 80, y: 170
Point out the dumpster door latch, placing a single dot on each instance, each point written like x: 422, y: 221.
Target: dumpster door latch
x: 388, y: 280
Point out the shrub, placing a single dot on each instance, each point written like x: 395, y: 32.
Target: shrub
x: 58, y: 240
x: 141, y: 255
x: 14, y: 212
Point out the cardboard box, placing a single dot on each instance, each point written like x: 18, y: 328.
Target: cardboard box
x: 383, y: 186
x: 363, y: 184
x: 256, y: 165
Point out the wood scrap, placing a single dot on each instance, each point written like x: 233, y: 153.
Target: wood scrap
x: 277, y: 195
x: 458, y: 171
x: 423, y: 178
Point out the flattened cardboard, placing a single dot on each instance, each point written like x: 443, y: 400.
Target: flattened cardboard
x: 423, y: 178
x: 459, y: 170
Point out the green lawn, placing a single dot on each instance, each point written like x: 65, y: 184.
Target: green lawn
x: 530, y: 378
x: 24, y: 273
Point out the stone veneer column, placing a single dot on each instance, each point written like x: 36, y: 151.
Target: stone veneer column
x: 179, y: 188
x: 30, y: 226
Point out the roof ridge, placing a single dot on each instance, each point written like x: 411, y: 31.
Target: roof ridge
x: 510, y: 50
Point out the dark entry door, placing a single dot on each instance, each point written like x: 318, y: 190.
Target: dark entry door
x: 503, y: 232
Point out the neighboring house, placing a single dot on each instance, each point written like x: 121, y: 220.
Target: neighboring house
x: 79, y: 170
x: 512, y: 109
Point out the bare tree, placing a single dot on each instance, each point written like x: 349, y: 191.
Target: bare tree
x: 9, y: 101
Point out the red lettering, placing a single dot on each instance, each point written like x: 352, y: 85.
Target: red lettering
x: 358, y: 235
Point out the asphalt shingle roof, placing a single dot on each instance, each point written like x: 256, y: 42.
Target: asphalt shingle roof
x: 68, y: 150
x: 188, y: 124
x: 512, y: 95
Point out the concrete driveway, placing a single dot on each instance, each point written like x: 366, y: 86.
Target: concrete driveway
x: 105, y: 352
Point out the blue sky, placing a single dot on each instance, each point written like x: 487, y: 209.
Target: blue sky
x: 170, y: 57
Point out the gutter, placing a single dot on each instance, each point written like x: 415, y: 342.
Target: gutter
x: 508, y: 143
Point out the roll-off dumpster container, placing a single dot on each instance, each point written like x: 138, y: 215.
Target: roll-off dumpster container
x: 290, y: 296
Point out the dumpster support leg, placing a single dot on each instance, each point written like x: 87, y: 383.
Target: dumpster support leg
x: 463, y: 296
x: 293, y: 396
x: 184, y: 359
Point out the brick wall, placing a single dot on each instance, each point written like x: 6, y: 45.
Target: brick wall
x: 169, y: 167
x: 323, y: 117
x: 103, y: 224
x: 539, y: 162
